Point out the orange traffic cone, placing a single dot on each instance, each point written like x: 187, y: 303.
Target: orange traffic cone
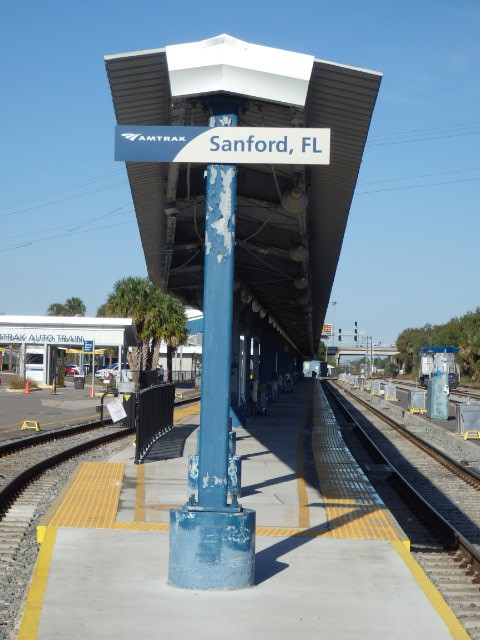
x: 92, y: 393
x: 27, y: 387
x: 53, y: 392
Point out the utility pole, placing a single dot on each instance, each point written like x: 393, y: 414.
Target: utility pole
x: 334, y: 305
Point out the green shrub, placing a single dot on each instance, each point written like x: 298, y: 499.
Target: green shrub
x: 19, y: 383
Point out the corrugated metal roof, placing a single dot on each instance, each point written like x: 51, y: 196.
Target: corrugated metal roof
x: 339, y: 97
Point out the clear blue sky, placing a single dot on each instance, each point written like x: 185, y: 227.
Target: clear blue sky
x: 411, y: 250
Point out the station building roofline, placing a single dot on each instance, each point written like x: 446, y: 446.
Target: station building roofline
x: 281, y: 292
x: 162, y: 50
x: 124, y: 325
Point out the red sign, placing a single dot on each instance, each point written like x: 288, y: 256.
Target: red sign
x: 327, y: 330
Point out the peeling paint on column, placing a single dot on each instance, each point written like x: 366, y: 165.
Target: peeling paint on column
x: 225, y: 121
x: 213, y: 174
x: 225, y: 223
x: 206, y: 479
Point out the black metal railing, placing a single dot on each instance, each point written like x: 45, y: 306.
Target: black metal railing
x: 154, y: 416
x: 148, y: 378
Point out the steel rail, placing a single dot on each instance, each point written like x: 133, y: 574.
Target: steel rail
x: 65, y: 432
x: 15, y: 485
x: 10, y: 490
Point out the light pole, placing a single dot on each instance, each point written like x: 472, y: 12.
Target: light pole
x: 334, y: 305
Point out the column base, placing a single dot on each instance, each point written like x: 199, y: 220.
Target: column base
x: 212, y: 549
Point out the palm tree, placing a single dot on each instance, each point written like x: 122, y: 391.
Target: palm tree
x: 156, y: 316
x: 56, y: 309
x: 174, y: 330
x: 74, y: 307
x: 71, y: 307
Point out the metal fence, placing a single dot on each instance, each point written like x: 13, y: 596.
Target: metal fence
x: 183, y: 376
x: 154, y: 416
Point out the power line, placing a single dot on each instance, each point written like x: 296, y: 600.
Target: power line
x: 113, y: 212
x: 453, y: 135
x: 48, y: 204
x: 419, y: 186
x: 396, y: 134
x: 425, y: 175
x: 63, y: 235
x: 48, y: 194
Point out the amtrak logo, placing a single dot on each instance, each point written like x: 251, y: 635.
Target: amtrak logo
x: 141, y: 138
x: 130, y: 136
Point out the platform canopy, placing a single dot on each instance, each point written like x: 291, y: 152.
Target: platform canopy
x: 287, y: 248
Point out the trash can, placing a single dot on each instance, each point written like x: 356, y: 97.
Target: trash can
x: 79, y: 382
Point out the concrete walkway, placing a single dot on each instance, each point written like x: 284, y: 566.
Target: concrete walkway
x: 111, y: 583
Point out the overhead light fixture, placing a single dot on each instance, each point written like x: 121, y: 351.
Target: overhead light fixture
x: 171, y: 209
x: 300, y: 283
x: 255, y: 306
x: 245, y: 296
x: 263, y: 313
x: 299, y: 253
x: 303, y: 300
x: 294, y: 200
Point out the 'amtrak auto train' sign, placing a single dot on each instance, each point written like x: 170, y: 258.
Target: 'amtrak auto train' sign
x: 222, y: 145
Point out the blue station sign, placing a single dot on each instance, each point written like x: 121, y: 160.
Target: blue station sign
x: 88, y: 346
x: 223, y: 145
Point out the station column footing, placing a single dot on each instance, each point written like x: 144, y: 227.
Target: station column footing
x: 212, y: 549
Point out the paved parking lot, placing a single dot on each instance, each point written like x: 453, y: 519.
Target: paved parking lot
x: 68, y: 406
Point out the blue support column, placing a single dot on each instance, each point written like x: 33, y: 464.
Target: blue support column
x: 238, y: 419
x: 248, y: 369
x: 212, y: 543
x: 256, y: 359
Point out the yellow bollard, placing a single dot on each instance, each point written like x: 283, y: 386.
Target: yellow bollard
x: 30, y: 424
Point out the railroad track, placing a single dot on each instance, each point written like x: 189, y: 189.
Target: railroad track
x: 33, y: 470
x: 434, y: 497
x: 464, y: 392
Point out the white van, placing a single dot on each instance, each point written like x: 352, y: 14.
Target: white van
x: 34, y: 364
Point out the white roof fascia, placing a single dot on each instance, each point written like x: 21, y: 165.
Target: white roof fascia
x: 348, y: 66
x: 226, y: 64
x: 133, y: 54
x: 75, y: 321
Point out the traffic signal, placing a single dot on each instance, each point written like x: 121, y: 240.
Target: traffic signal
x: 355, y: 336
x: 339, y: 335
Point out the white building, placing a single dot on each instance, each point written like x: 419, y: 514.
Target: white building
x: 47, y: 338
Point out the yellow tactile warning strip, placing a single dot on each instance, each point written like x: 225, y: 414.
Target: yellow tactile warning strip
x: 191, y: 411
x: 92, y: 500
x: 33, y: 606
x: 353, y: 508
x: 436, y: 599
x: 303, y: 509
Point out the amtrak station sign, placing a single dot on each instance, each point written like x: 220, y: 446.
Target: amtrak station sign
x: 222, y: 145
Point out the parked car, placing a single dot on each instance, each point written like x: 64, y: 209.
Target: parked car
x: 105, y: 372
x: 110, y: 371
x: 71, y: 370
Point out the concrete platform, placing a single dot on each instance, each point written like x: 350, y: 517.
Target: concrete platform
x: 331, y: 562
